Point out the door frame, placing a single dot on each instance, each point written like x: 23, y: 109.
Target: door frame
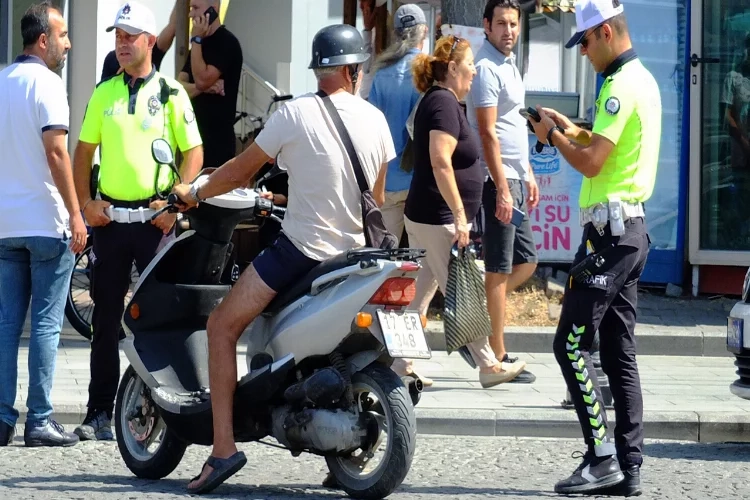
x: 696, y: 255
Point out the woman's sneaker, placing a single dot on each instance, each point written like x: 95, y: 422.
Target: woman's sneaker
x: 97, y: 426
x: 510, y: 371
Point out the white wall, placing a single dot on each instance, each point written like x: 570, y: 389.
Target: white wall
x: 309, y: 17
x: 107, y: 10
x: 276, y: 37
x: 264, y: 31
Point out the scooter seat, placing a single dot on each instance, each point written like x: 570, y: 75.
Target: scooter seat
x: 303, y: 286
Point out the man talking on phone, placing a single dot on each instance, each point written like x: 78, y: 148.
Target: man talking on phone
x: 496, y: 97
x: 211, y: 77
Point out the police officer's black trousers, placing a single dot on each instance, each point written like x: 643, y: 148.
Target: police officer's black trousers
x: 116, y: 246
x: 607, y: 302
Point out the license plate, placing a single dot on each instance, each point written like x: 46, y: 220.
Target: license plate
x: 403, y: 334
x: 734, y: 333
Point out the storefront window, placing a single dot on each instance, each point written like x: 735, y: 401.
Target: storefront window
x: 659, y: 34
x: 725, y: 126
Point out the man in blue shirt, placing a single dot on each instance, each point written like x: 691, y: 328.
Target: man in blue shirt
x: 394, y: 94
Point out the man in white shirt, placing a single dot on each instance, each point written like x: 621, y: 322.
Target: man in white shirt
x: 38, y: 238
x: 323, y: 217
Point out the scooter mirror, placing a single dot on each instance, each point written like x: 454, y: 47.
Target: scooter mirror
x: 162, y: 152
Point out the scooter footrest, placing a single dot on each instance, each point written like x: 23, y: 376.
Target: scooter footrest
x: 261, y: 384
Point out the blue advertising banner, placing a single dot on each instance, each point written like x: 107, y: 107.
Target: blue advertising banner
x: 557, y: 231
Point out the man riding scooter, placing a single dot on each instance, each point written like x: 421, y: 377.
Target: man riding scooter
x: 322, y: 220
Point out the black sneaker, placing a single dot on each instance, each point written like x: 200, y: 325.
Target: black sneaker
x: 97, y: 426
x: 7, y: 433
x: 593, y: 475
x: 525, y: 377
x: 630, y: 487
x: 49, y: 434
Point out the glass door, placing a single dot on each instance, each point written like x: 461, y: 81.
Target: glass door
x: 720, y: 133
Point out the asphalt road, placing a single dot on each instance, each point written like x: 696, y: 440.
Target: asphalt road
x: 445, y: 467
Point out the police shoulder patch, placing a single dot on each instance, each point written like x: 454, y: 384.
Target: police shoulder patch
x: 189, y: 116
x: 612, y: 106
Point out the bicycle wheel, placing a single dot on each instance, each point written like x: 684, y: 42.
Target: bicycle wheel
x: 79, y: 307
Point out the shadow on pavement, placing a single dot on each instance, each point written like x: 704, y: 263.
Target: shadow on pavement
x: 459, y: 491
x: 708, y: 452
x: 128, y: 485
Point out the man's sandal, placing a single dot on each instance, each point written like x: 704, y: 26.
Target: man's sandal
x: 223, y: 469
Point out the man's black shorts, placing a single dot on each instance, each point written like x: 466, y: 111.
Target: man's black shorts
x: 505, y: 245
x: 282, y: 264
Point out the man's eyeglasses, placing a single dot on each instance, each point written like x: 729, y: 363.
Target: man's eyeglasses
x: 585, y: 41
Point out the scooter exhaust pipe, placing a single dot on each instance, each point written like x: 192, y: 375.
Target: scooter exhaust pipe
x: 415, y: 387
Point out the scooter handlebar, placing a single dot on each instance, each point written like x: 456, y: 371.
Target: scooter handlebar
x: 170, y: 207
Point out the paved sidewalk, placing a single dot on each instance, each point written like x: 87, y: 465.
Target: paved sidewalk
x: 686, y: 398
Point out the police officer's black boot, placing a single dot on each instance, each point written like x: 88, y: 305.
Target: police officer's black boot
x: 629, y: 487
x: 592, y: 476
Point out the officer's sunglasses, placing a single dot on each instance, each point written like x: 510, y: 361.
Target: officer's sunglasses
x: 585, y: 41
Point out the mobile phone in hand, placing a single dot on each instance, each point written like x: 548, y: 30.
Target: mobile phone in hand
x: 517, y: 217
x: 212, y: 15
x: 530, y: 112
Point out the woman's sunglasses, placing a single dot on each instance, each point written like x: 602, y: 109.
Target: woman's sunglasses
x: 456, y: 41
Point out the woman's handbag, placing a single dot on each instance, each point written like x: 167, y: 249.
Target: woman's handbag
x: 465, y: 314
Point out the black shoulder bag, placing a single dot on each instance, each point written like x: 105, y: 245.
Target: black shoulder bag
x: 376, y: 235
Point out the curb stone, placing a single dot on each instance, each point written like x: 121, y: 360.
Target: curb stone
x: 651, y: 341
x: 703, y: 427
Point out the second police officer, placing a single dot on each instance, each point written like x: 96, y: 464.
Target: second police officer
x: 125, y: 114
x: 618, y: 160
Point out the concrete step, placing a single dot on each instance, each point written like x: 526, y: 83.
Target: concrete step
x: 651, y: 340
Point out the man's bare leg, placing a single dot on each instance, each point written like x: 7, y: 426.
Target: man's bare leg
x: 247, y: 299
x: 497, y: 287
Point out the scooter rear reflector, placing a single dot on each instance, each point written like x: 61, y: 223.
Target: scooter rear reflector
x: 135, y: 311
x: 395, y: 292
x: 410, y: 266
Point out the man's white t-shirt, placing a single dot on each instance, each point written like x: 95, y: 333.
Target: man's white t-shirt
x: 324, y: 212
x: 32, y: 100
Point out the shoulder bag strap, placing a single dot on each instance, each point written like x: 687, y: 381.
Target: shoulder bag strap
x: 345, y: 139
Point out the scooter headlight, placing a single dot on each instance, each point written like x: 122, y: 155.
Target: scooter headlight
x: 746, y: 287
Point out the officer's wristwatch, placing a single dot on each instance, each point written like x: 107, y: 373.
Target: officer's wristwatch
x: 196, y: 39
x: 551, y: 131
x: 194, y: 193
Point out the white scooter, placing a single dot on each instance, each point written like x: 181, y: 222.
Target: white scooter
x: 318, y: 357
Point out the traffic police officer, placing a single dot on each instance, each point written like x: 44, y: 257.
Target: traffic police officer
x: 618, y: 160
x: 125, y: 114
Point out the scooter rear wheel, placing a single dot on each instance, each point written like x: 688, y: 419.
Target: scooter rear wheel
x: 379, y: 393
x: 138, y: 426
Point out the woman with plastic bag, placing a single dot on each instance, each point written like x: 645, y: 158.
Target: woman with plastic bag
x: 445, y: 193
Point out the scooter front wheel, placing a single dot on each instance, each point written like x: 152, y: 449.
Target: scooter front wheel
x: 377, y: 469
x: 150, y: 450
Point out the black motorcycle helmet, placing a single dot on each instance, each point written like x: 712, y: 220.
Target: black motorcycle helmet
x: 338, y: 45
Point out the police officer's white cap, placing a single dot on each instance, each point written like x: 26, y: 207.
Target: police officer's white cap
x: 135, y: 19
x: 590, y: 13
